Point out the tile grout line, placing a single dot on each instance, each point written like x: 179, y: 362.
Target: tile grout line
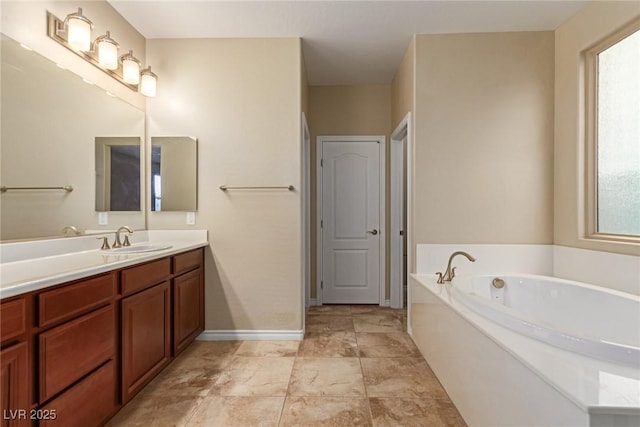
x: 286, y: 393
x: 364, y: 383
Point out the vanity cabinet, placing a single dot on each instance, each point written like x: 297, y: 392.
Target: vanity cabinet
x: 73, y: 354
x: 15, y: 383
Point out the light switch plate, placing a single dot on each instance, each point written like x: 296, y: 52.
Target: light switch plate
x: 103, y: 219
x: 191, y: 218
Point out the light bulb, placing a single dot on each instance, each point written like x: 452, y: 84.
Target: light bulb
x: 148, y: 82
x: 130, y: 69
x: 79, y: 31
x: 107, y: 52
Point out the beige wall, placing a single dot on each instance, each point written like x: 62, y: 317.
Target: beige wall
x: 591, y: 24
x: 346, y: 110
x: 402, y: 86
x: 484, y: 138
x: 26, y: 22
x: 241, y: 98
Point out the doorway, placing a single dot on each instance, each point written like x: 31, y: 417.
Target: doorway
x: 400, y: 250
x: 351, y: 218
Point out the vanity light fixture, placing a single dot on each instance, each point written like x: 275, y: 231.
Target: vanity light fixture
x: 74, y: 33
x: 107, y: 49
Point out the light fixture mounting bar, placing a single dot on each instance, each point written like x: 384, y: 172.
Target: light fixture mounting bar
x: 55, y: 27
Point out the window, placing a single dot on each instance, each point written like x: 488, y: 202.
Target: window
x: 613, y: 137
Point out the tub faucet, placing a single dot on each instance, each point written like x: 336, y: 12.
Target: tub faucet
x: 72, y: 229
x: 118, y: 243
x: 450, y: 273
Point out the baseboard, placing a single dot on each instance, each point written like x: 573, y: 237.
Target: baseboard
x: 251, y: 335
x: 313, y: 301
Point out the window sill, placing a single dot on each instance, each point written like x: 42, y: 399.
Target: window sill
x: 622, y: 239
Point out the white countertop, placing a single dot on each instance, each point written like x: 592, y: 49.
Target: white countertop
x: 594, y: 385
x: 29, y: 266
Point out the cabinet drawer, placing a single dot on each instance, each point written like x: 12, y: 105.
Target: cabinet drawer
x: 72, y: 350
x: 75, y: 299
x: 91, y: 402
x: 13, y: 319
x: 187, y: 261
x: 143, y: 276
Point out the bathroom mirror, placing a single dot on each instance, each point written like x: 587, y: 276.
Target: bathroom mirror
x: 118, y: 184
x: 174, y: 173
x: 50, y: 121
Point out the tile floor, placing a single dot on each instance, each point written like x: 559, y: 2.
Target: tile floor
x: 355, y: 367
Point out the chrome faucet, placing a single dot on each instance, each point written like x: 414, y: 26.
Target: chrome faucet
x: 117, y: 243
x: 450, y: 273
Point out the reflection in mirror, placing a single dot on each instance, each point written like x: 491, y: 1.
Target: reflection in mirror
x: 50, y: 119
x: 174, y: 173
x: 117, y: 174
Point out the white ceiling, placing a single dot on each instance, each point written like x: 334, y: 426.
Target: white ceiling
x: 344, y: 42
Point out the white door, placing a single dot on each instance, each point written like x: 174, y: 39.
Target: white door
x: 352, y: 241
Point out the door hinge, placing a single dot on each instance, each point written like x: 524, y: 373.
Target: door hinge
x: 402, y: 232
x: 321, y: 284
x: 321, y: 224
x: 321, y: 162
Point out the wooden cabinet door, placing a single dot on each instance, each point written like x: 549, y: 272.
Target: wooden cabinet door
x: 188, y: 310
x: 15, y: 380
x: 146, y: 337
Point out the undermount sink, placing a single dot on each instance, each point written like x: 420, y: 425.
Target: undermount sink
x: 139, y: 248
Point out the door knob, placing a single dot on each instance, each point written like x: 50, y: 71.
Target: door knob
x: 374, y: 231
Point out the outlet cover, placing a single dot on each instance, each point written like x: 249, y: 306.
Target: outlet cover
x: 191, y: 218
x: 103, y: 219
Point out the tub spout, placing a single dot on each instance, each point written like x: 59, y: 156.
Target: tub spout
x: 72, y: 229
x: 450, y: 272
